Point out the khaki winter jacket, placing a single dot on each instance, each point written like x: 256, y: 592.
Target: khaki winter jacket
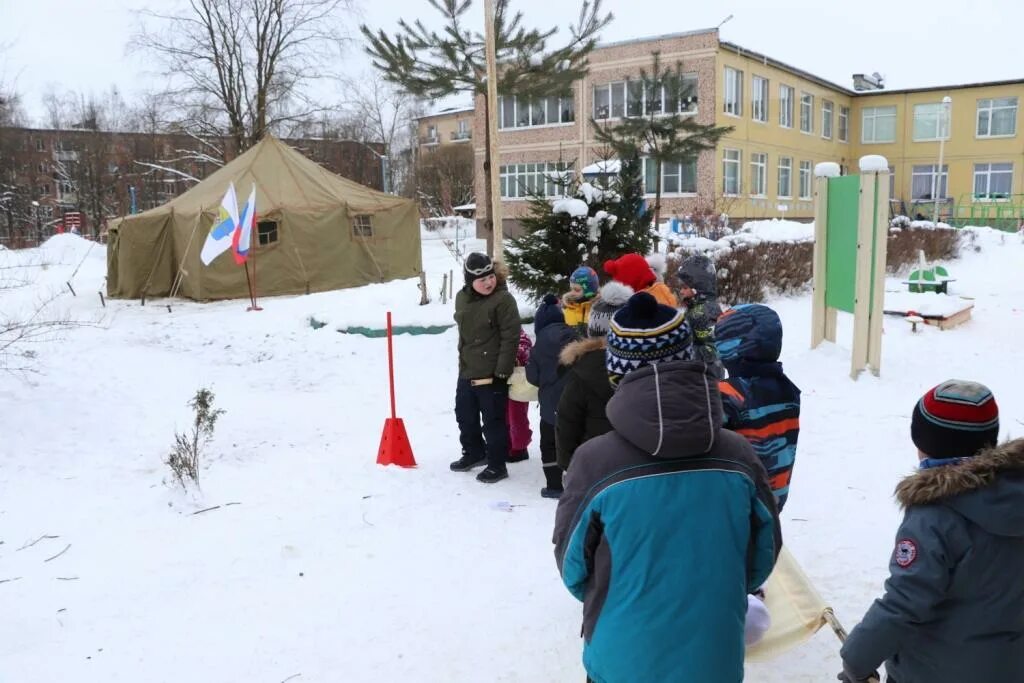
x: 488, y: 332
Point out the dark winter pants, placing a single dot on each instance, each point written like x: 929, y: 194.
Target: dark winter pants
x: 552, y: 472
x: 483, y: 427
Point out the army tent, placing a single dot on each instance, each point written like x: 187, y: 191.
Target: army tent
x: 315, y: 231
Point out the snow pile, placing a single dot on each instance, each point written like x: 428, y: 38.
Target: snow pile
x: 874, y: 163
x: 577, y: 208
x: 752, y: 233
x: 606, y: 167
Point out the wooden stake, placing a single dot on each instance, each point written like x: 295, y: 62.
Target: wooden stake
x: 494, y: 178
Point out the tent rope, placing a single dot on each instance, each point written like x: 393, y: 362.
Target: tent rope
x: 179, y: 276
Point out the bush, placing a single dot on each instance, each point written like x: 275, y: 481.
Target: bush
x: 750, y: 272
x: 188, y: 447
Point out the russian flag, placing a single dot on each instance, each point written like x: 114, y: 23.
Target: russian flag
x: 241, y: 239
x: 220, y: 238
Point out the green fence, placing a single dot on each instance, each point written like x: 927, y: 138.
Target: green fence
x: 1005, y: 212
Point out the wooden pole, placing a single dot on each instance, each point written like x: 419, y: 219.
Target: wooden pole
x: 494, y: 177
x: 819, y: 267
x: 878, y: 277
x: 863, y: 278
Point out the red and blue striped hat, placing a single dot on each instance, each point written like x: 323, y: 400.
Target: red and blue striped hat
x: 956, y: 419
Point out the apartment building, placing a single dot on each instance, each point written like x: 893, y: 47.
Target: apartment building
x: 785, y: 121
x: 448, y: 126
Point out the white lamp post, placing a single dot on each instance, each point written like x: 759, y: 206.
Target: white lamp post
x: 944, y: 131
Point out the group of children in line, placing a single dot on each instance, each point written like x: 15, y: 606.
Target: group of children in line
x: 670, y: 476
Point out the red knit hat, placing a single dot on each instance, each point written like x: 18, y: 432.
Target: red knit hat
x: 632, y: 270
x: 955, y: 419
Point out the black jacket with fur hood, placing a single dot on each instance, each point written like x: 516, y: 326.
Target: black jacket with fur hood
x: 953, y: 608
x: 581, y: 410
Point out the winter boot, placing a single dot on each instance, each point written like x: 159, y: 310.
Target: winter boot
x: 553, y: 476
x: 518, y: 456
x: 467, y: 462
x: 491, y: 475
x: 548, y: 492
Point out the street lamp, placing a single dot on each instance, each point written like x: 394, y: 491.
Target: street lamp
x: 944, y: 131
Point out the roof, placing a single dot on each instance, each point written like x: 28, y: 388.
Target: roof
x: 744, y: 52
x: 962, y: 86
x: 447, y: 111
x: 650, y: 39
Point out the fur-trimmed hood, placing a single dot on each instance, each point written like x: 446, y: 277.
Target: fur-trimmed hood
x: 574, y: 351
x: 987, y: 489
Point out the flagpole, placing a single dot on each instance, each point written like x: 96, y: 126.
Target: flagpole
x: 248, y: 282
x: 254, y: 240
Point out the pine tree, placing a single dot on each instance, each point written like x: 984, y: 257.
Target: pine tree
x: 663, y: 131
x: 437, y: 64
x: 555, y: 241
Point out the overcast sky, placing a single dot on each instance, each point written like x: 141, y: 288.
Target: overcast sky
x: 80, y: 44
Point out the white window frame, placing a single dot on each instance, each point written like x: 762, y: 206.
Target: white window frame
x: 732, y: 158
x: 939, y: 131
x: 843, y: 134
x: 516, y: 180
x: 940, y: 179
x: 986, y: 171
x: 827, y: 118
x: 759, y: 96
x: 785, y: 164
x: 989, y: 107
x: 806, y: 187
x: 525, y: 105
x: 668, y: 170
x: 873, y: 115
x: 787, y: 95
x: 733, y: 92
x: 758, y: 174
x: 806, y: 107
x: 688, y: 103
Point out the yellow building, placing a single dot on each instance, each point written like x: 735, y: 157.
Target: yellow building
x: 449, y: 126
x: 786, y: 120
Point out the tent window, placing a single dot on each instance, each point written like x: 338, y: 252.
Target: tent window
x: 362, y: 226
x: 267, y: 232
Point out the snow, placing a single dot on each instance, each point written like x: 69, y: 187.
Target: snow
x: 336, y: 569
x: 577, y: 208
x: 604, y: 167
x: 874, y: 163
x: 465, y: 207
x: 926, y: 304
x: 752, y: 232
x: 827, y: 169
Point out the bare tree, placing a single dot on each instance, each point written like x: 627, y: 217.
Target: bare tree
x: 240, y: 67
x: 381, y: 112
x: 444, y: 179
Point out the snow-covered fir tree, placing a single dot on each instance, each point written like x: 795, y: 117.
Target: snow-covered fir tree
x: 592, y: 223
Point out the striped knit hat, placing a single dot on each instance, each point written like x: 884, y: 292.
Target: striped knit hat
x: 645, y: 332
x: 955, y: 419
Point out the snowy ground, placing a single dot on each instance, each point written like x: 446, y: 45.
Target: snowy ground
x: 334, y: 569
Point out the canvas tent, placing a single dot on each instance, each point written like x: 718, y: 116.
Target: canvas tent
x: 316, y: 231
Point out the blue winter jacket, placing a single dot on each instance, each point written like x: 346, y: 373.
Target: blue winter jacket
x: 666, y: 524
x: 544, y: 370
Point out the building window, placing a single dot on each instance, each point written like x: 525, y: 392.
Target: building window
x: 758, y: 174
x: 39, y: 145
x: 622, y: 98
x: 676, y: 178
x: 805, y: 180
x: 786, y: 97
x: 892, y: 182
x: 431, y: 135
x: 826, y: 119
x: 362, y: 225
x: 519, y: 181
x: 759, y: 99
x: 731, y: 162
x: 997, y: 117
x: 930, y: 122
x: 878, y: 125
x: 806, y: 112
x: 526, y: 112
x: 462, y: 130
x: 926, y: 183
x: 785, y: 177
x: 993, y: 181
x: 844, y: 124
x: 266, y: 232
x: 733, y: 91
